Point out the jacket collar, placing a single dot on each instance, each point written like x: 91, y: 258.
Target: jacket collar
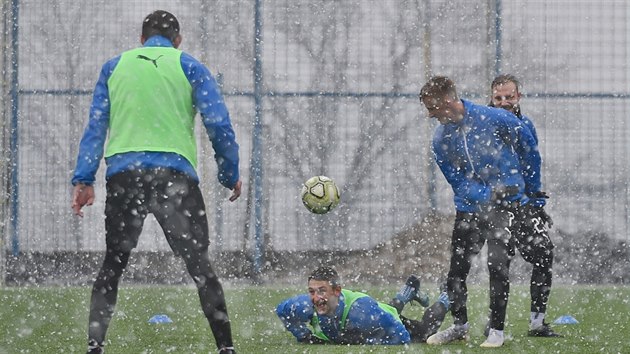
x: 158, y: 41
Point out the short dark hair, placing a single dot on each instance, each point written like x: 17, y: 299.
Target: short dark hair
x: 504, y: 79
x: 438, y: 87
x: 325, y: 273
x: 161, y: 23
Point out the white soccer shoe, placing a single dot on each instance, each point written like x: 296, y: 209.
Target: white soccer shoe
x: 451, y: 334
x: 495, y: 339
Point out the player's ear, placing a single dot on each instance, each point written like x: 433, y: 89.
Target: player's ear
x: 142, y: 39
x: 177, y: 41
x: 337, y: 290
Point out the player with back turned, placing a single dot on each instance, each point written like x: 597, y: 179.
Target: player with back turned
x: 144, y: 105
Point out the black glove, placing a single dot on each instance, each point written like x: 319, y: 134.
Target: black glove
x: 540, y: 212
x: 311, y: 339
x: 538, y: 194
x: 502, y: 192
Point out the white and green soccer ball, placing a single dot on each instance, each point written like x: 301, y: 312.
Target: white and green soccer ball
x: 320, y: 194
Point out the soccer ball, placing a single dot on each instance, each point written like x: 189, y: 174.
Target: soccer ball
x: 320, y: 194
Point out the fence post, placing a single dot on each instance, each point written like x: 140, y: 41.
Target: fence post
x: 13, y: 131
x: 428, y: 72
x: 4, y: 99
x: 257, y: 155
x: 497, y: 32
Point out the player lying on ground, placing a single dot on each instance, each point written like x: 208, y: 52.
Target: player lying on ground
x: 330, y: 314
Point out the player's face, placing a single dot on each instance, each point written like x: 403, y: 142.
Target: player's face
x: 506, y: 96
x: 324, y: 296
x: 440, y: 109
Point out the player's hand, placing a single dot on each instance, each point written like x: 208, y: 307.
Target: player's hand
x: 539, y: 211
x: 82, y: 195
x: 236, y: 191
x: 540, y: 195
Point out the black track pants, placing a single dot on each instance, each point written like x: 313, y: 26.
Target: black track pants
x: 531, y: 238
x: 177, y: 204
x: 470, y: 232
x: 429, y: 325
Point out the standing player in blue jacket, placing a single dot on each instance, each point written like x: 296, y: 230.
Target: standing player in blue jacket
x: 531, y: 230
x: 330, y: 314
x: 480, y: 151
x: 144, y: 105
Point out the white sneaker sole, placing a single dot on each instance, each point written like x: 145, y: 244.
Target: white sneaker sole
x: 437, y: 341
x: 491, y: 345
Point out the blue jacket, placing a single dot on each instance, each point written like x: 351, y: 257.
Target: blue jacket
x: 207, y: 100
x: 489, y: 148
x: 366, y: 322
x: 530, y: 125
x: 530, y: 190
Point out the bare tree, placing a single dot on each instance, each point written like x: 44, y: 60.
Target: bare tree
x: 312, y: 140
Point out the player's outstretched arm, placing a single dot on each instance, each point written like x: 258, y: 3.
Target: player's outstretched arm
x: 296, y: 314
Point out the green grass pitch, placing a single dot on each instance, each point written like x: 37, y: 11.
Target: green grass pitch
x: 54, y: 320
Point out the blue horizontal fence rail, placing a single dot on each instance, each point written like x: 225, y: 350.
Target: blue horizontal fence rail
x: 406, y: 95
